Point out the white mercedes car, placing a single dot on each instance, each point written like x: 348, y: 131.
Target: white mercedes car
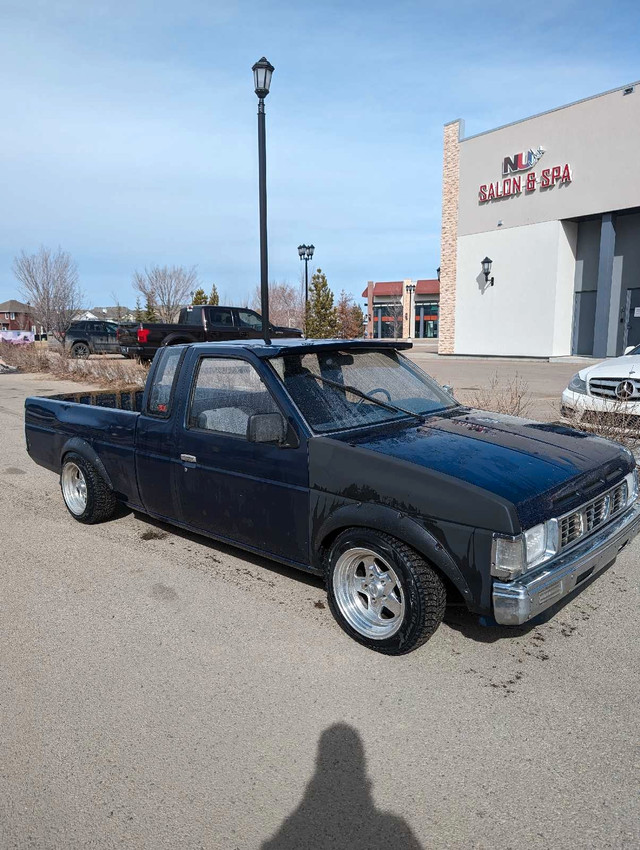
x: 612, y: 386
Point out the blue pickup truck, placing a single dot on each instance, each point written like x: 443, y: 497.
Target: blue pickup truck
x: 344, y: 459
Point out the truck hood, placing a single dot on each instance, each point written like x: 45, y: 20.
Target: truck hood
x: 542, y: 470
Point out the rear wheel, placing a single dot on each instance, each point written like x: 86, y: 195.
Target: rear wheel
x: 80, y: 349
x: 85, y: 492
x: 382, y: 593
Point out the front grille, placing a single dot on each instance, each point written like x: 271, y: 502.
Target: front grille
x: 619, y: 497
x: 608, y: 388
x: 571, y: 528
x: 591, y: 516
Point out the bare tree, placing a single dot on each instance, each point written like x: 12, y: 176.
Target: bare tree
x: 49, y: 283
x: 167, y: 288
x: 286, y: 304
x: 120, y: 311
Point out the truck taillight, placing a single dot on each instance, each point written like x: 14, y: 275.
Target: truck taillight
x: 143, y: 335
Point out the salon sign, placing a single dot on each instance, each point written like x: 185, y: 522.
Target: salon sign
x: 515, y: 180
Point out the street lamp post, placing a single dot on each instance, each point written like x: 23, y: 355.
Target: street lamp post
x: 262, y: 72
x: 305, y: 252
x: 411, y: 288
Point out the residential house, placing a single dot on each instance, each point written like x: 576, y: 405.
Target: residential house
x: 16, y: 316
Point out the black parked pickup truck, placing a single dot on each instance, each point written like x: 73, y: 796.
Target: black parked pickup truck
x: 198, y: 324
x: 344, y: 459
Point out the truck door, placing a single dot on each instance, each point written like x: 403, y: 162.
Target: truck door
x: 220, y: 324
x: 249, y: 324
x: 157, y: 462
x: 255, y: 494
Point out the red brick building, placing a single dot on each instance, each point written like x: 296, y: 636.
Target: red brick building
x: 15, y: 316
x: 390, y: 303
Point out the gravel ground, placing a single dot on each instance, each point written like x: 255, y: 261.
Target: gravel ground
x: 161, y: 691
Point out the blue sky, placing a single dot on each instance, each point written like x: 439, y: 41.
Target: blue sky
x: 128, y: 129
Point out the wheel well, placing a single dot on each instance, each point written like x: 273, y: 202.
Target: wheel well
x: 178, y: 342
x: 453, y: 594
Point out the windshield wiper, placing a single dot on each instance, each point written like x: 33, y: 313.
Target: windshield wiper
x: 347, y: 388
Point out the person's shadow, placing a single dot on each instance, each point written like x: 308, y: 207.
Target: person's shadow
x: 337, y: 810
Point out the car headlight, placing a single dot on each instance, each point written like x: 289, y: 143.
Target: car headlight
x: 513, y: 556
x: 632, y: 486
x: 577, y: 385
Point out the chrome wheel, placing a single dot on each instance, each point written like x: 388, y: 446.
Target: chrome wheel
x: 80, y: 350
x: 74, y: 488
x: 368, y: 593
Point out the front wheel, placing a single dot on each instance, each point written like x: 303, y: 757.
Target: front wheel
x: 382, y: 593
x: 86, y: 494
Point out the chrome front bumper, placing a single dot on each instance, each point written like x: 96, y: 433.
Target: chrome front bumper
x: 515, y: 602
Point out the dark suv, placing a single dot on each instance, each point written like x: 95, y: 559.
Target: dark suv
x: 92, y: 337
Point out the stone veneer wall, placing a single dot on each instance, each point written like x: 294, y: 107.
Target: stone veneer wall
x: 449, y: 237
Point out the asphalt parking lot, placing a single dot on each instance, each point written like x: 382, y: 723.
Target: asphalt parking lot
x: 158, y: 690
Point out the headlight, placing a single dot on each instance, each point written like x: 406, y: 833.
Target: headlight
x: 577, y: 385
x: 632, y: 486
x: 513, y: 556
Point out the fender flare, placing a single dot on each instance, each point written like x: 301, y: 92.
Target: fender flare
x: 82, y: 448
x: 401, y: 526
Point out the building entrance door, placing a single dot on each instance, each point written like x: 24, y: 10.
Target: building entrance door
x: 632, y: 326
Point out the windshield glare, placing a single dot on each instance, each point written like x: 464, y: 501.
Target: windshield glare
x: 386, y: 377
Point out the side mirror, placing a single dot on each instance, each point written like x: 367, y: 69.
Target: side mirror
x: 629, y: 349
x: 448, y: 388
x: 266, y: 428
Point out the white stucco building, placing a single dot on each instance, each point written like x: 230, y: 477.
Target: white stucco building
x: 554, y: 202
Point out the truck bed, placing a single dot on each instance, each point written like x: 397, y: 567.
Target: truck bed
x: 106, y: 421
x: 120, y: 400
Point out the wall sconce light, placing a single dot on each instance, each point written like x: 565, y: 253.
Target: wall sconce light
x: 438, y: 272
x: 486, y: 269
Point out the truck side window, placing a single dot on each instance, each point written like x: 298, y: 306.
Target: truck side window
x: 249, y: 319
x: 220, y: 316
x: 226, y: 393
x: 164, y: 378
x: 192, y: 316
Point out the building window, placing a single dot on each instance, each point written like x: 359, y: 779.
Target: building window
x: 13, y: 316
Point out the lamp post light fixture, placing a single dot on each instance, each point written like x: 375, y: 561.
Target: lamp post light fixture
x: 411, y: 288
x: 305, y: 252
x: 262, y: 72
x: 486, y: 269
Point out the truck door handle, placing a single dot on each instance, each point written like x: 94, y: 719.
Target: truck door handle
x: 188, y: 458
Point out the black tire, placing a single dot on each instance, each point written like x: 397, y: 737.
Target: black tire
x: 101, y: 502
x: 419, y: 587
x: 80, y: 350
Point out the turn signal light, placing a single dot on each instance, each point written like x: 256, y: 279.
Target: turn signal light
x: 143, y: 335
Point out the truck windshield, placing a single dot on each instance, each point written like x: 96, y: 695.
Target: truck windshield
x: 336, y: 390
